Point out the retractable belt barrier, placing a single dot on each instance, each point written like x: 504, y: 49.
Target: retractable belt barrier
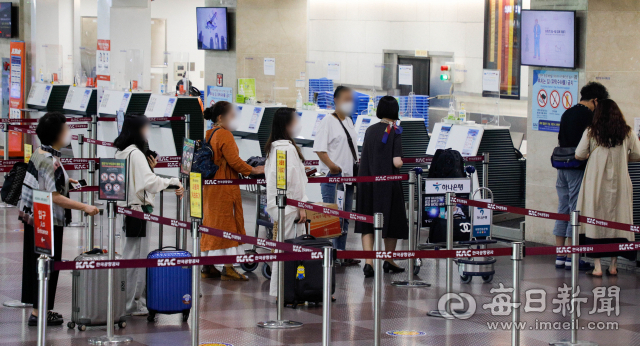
x: 367, y: 179
x: 150, y: 119
x: 69, y: 120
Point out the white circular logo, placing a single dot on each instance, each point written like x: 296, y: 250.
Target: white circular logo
x: 456, y: 304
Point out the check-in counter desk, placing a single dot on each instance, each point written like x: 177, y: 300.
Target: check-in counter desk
x: 43, y: 98
x: 80, y: 102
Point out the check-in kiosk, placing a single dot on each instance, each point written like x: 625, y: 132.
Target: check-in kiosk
x: 43, y: 98
x: 80, y: 102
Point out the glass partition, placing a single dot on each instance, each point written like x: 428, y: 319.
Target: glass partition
x: 50, y: 66
x: 176, y: 68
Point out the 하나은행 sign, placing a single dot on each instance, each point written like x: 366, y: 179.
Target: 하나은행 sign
x: 43, y: 222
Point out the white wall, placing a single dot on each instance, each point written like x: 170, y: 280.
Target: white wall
x: 182, y: 32
x: 355, y: 32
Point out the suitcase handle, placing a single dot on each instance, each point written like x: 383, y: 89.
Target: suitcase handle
x: 166, y: 247
x: 307, y: 226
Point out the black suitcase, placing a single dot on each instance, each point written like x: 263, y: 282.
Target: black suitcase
x: 438, y: 230
x: 303, y: 279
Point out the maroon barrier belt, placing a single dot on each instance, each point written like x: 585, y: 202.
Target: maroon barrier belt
x: 367, y: 179
x: 329, y: 211
x: 216, y: 232
x: 494, y: 252
x: 167, y: 164
x: 311, y: 162
x: 69, y: 120
x: 9, y: 162
x: 609, y: 224
x: 33, y: 127
x: 150, y: 119
x: 93, y: 141
x: 184, y: 262
x: 86, y: 189
x: 20, y: 129
x: 565, y: 250
x: 429, y: 159
x: 169, y: 158
x: 76, y: 167
x: 515, y: 210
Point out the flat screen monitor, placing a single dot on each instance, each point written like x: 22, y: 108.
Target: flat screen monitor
x: 6, y: 20
x: 548, y: 38
x: 213, y: 33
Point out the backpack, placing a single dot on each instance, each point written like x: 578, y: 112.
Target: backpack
x: 203, y: 159
x: 12, y: 186
x: 447, y: 163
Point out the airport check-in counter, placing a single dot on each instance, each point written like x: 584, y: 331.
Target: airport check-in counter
x: 43, y: 98
x: 80, y: 102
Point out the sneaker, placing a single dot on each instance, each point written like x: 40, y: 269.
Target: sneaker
x: 560, y: 261
x: 141, y: 312
x: 567, y: 263
x: 230, y: 274
x: 53, y: 319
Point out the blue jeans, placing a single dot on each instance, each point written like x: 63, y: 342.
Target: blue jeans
x: 568, y: 187
x: 328, y: 192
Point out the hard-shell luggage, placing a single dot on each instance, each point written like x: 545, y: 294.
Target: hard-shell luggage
x: 169, y: 286
x: 303, y: 280
x: 89, y: 300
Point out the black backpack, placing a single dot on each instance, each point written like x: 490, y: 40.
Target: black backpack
x: 12, y: 186
x: 203, y: 159
x: 447, y: 163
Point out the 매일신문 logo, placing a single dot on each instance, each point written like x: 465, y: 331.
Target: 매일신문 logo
x: 406, y: 333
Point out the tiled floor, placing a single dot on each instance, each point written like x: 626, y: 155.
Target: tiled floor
x: 230, y: 310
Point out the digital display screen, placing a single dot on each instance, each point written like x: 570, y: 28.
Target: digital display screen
x: 5, y: 19
x: 212, y: 28
x: 548, y: 38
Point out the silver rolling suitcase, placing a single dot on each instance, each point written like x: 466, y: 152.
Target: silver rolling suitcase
x: 89, y: 303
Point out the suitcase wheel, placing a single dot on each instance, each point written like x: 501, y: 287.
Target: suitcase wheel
x: 185, y: 315
x: 71, y: 325
x: 152, y: 316
x: 82, y: 327
x: 266, y: 271
x: 249, y: 267
x: 122, y: 324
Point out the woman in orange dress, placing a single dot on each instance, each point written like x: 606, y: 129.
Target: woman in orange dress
x: 222, y: 204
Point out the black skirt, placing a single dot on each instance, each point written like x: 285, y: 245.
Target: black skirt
x: 630, y: 255
x: 30, y: 267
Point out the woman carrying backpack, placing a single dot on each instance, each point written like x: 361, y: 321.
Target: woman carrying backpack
x: 222, y: 204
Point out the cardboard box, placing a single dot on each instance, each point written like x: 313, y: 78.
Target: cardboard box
x: 323, y: 225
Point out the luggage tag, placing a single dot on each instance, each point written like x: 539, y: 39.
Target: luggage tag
x: 300, y: 273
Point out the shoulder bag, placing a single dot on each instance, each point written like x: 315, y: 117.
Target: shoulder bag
x: 203, y: 159
x: 134, y: 227
x: 565, y: 158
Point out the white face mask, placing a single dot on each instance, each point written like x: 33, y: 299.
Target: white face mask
x: 295, y: 132
x: 67, y: 139
x: 346, y: 108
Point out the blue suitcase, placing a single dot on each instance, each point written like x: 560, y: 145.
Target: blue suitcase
x: 169, y: 288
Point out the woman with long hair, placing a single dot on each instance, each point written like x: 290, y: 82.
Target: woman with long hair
x: 143, y: 185
x: 606, y: 192
x: 222, y: 204
x: 285, y: 127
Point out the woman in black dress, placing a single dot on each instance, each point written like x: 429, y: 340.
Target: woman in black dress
x: 382, y: 155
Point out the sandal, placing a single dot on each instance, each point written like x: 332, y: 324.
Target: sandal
x: 590, y: 273
x: 53, y: 319
x: 609, y: 273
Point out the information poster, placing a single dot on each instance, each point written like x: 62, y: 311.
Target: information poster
x: 269, y: 66
x: 216, y: 93
x: 333, y: 71
x: 491, y: 80
x: 188, y: 149
x: 113, y: 184
x: 43, y: 222
x: 281, y: 169
x: 470, y: 142
x: 554, y: 92
x: 482, y: 221
x: 28, y: 150
x: 247, y: 86
x: 317, y: 124
x: 443, y: 137
x: 195, y: 194
x: 405, y: 74
x: 254, y: 118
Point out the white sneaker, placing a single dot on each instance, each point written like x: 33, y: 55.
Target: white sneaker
x: 142, y: 311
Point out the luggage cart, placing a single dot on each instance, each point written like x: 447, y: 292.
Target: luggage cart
x: 478, y: 266
x: 261, y: 220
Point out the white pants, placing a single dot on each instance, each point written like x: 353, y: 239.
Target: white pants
x: 289, y: 232
x: 135, y: 248
x: 232, y: 251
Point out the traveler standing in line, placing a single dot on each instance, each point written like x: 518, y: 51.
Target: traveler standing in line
x: 572, y: 125
x: 606, y: 192
x: 222, y: 204
x: 143, y: 185
x: 45, y: 172
x: 286, y: 126
x: 382, y: 155
x: 337, y: 148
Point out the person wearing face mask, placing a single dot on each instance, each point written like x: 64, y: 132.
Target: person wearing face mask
x: 336, y: 146
x: 143, y: 185
x: 45, y: 172
x: 286, y: 126
x: 222, y: 204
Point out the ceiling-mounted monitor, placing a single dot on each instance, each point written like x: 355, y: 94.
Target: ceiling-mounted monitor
x: 213, y: 33
x: 548, y: 38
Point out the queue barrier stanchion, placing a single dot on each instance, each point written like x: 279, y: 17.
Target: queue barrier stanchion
x: 327, y: 265
x: 90, y: 200
x: 82, y: 196
x: 377, y: 278
x: 485, y: 173
x: 575, y: 263
x: 93, y: 149
x: 516, y: 257
x: 280, y: 323
x: 181, y: 234
x: 161, y: 226
x: 44, y: 268
x: 110, y: 338
x: 411, y: 282
x: 195, y: 285
x: 5, y: 130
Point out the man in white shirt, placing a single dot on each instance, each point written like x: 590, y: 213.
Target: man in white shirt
x: 337, y: 156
